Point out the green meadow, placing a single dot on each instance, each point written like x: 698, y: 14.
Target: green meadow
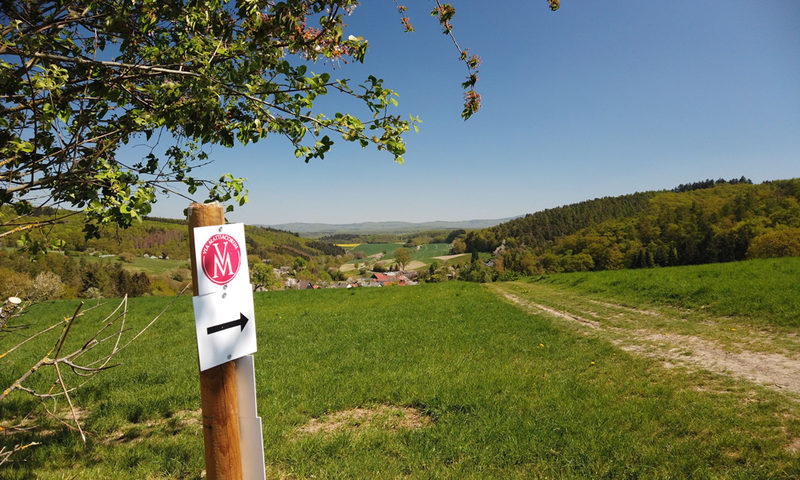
x: 375, y: 248
x: 153, y: 266
x: 426, y: 252
x: 156, y: 266
x: 763, y: 291
x: 423, y: 253
x: 462, y: 383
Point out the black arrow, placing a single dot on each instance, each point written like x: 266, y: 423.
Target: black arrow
x: 224, y: 326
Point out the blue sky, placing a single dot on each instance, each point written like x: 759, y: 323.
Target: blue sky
x: 600, y: 98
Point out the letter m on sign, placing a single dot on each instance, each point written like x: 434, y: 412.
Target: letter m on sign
x: 222, y: 260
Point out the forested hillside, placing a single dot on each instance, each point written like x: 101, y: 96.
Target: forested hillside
x: 150, y: 257
x: 160, y: 237
x: 537, y: 229
x: 696, y: 223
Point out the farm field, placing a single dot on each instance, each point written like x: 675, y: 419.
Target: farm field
x: 420, y: 256
x: 369, y: 249
x: 528, y: 379
x: 428, y: 251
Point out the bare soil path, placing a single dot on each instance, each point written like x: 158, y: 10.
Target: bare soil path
x: 445, y: 258
x: 676, y: 337
x: 414, y: 264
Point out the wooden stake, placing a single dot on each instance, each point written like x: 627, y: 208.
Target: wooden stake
x: 218, y: 395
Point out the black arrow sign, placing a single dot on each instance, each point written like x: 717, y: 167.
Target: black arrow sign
x: 224, y: 326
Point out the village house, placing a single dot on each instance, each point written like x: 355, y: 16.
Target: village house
x: 390, y: 278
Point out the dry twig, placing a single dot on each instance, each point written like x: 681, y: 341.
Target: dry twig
x: 77, y: 361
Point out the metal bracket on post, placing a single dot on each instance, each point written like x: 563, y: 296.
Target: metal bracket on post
x: 249, y: 422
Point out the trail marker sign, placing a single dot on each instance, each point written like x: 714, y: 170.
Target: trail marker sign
x: 224, y: 326
x: 221, y: 258
x: 223, y: 307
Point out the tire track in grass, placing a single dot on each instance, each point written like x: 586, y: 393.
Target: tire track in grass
x: 623, y: 307
x: 552, y: 311
x: 773, y: 370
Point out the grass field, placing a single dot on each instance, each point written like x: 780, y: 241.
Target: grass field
x: 425, y: 253
x: 155, y: 266
x: 462, y: 384
x: 369, y: 249
x: 764, y: 291
x: 152, y: 266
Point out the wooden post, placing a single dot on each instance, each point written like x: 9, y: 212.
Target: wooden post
x: 218, y: 395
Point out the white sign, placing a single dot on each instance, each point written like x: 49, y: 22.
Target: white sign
x: 221, y: 258
x: 225, y: 325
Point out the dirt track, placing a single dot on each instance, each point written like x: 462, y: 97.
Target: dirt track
x: 774, y: 362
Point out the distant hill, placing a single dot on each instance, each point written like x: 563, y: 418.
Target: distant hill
x: 367, y: 228
x: 702, y: 222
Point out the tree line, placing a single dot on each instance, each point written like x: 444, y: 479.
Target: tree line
x: 709, y: 183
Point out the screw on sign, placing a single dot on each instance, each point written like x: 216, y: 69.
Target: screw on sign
x: 221, y: 257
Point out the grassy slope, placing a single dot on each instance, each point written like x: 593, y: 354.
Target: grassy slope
x: 153, y: 266
x: 511, y: 396
x: 373, y: 248
x: 765, y: 291
x: 156, y: 266
x: 425, y: 253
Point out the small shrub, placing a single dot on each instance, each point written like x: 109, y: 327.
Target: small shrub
x: 159, y: 287
x: 776, y: 243
x: 46, y: 286
x: 91, y: 293
x: 14, y: 284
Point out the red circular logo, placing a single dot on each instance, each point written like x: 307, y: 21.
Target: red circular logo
x: 221, y: 257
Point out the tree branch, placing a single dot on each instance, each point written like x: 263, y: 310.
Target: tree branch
x: 107, y: 63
